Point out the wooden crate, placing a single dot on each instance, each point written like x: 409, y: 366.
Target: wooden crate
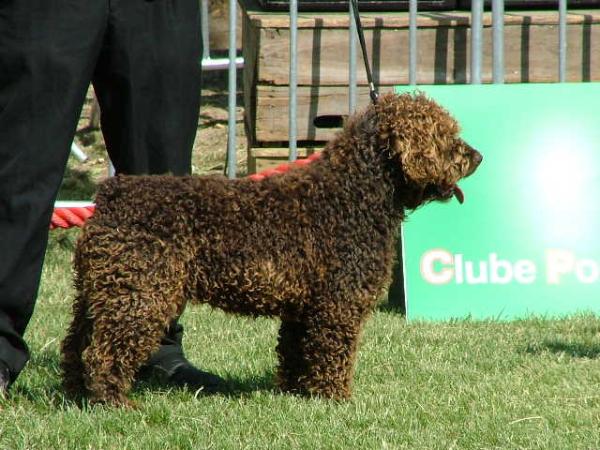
x: 530, y: 45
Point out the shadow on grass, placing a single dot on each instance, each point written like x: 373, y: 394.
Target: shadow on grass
x: 573, y: 349
x: 233, y: 387
x: 52, y: 393
x: 47, y: 364
x: 239, y: 386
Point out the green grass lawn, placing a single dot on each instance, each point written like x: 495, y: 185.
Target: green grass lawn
x: 466, y: 385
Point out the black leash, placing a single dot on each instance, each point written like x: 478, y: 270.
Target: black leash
x: 361, y: 37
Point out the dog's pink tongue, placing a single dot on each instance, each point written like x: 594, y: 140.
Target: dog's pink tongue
x: 458, y: 193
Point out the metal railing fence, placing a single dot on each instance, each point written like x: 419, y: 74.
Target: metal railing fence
x: 476, y: 46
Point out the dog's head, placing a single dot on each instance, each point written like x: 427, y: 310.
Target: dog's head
x: 422, y: 138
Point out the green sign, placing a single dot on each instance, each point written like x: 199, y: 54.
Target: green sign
x: 527, y: 239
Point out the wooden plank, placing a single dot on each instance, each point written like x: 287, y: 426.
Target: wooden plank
x: 531, y: 54
x: 272, y: 111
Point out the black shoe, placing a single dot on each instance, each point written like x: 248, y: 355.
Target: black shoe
x: 183, y: 374
x: 168, y: 365
x: 4, y: 380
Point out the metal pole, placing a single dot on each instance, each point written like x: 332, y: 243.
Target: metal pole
x: 209, y: 63
x: 293, y: 131
x: 412, y: 42
x: 352, y: 61
x: 498, y: 40
x: 562, y: 40
x: 221, y: 63
x: 232, y: 86
x: 476, y: 40
x: 79, y: 154
x: 204, y: 14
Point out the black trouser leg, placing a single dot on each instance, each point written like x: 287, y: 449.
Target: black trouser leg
x: 148, y: 86
x: 47, y: 55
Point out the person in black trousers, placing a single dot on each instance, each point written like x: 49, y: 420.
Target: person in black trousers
x: 143, y: 59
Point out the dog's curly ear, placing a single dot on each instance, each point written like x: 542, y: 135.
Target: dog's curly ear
x: 418, y: 161
x: 416, y: 131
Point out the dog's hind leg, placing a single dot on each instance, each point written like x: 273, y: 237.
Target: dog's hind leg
x: 124, y: 337
x: 133, y: 301
x: 77, y: 338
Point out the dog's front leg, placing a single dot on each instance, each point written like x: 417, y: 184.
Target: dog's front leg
x: 317, y: 357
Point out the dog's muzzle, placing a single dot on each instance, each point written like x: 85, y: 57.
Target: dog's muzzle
x: 476, y: 158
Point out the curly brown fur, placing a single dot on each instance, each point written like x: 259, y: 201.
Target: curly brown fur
x: 314, y: 247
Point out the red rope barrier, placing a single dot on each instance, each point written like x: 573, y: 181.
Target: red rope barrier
x: 74, y: 214
x: 69, y: 214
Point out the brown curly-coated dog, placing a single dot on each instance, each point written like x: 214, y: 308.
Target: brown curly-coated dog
x: 314, y: 247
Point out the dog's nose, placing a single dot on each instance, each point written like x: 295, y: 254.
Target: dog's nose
x: 475, y: 158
